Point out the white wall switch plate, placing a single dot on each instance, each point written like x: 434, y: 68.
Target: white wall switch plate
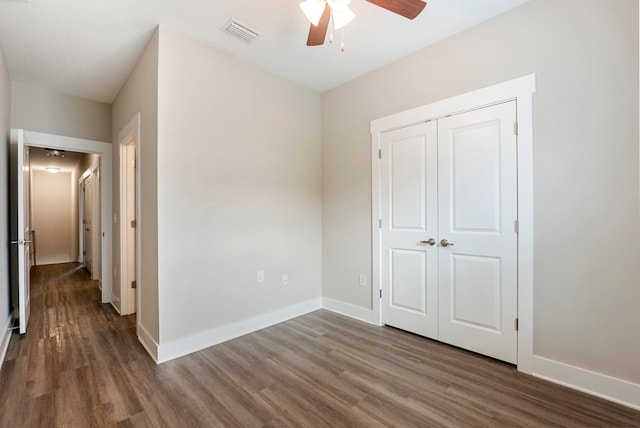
x: 363, y: 280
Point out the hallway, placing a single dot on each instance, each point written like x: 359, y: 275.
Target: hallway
x: 80, y: 365
x: 67, y: 369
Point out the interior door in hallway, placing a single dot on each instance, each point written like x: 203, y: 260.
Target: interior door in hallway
x: 409, y: 174
x: 87, y: 222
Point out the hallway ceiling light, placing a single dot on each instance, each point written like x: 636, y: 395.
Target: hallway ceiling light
x: 55, y: 153
x: 52, y: 169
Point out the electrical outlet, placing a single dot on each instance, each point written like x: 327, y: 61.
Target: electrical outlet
x: 260, y: 276
x: 285, y: 279
x: 363, y: 280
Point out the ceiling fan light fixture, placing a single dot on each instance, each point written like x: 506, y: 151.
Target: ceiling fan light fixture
x: 313, y: 10
x: 342, y: 17
x: 339, y: 12
x: 338, y: 4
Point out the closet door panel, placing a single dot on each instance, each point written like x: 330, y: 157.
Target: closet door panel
x: 409, y: 264
x: 477, y: 207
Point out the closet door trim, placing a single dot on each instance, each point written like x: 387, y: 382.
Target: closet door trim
x: 520, y: 90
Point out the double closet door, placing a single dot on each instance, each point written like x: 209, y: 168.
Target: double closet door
x: 449, y: 230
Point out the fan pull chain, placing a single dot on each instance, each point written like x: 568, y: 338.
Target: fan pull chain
x: 331, y: 34
x: 331, y: 25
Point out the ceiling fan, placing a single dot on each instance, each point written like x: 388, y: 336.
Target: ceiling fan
x: 320, y: 13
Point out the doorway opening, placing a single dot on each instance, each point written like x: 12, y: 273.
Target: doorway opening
x: 50, y: 197
x: 65, y: 208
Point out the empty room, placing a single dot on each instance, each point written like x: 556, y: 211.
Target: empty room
x: 320, y: 213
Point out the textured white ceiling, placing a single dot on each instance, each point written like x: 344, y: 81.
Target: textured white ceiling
x: 88, y: 47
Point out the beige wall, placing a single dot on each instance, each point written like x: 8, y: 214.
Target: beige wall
x: 43, y: 110
x: 88, y: 160
x: 5, y: 108
x: 140, y: 94
x: 587, y: 237
x: 238, y: 189
x: 52, y: 215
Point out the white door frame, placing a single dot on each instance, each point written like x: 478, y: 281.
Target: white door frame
x: 521, y: 90
x: 129, y: 135
x: 38, y: 139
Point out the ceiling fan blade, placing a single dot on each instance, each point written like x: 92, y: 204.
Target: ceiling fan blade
x: 318, y: 33
x: 407, y: 8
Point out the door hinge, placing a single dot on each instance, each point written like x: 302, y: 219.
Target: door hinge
x: 133, y: 223
x: 517, y: 226
x: 133, y: 284
x: 379, y: 153
x: 380, y: 224
x: 381, y: 293
x: 516, y: 324
x: 515, y: 127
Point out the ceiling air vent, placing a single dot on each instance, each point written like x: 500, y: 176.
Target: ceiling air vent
x: 241, y: 31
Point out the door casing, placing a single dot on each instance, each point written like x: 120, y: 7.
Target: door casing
x: 521, y: 90
x: 39, y: 139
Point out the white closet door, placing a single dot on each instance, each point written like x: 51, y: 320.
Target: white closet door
x: 477, y: 200
x: 409, y: 206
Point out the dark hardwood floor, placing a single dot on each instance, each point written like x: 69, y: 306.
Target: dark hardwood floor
x: 80, y: 365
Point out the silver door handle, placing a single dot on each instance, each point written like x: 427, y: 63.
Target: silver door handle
x: 430, y: 241
x: 446, y: 243
x: 21, y: 242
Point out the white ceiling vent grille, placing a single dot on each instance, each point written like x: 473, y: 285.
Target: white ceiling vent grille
x: 241, y: 31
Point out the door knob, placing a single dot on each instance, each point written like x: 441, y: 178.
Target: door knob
x: 446, y: 243
x: 429, y: 241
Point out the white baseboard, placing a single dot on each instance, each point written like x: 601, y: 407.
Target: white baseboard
x: 348, y: 310
x: 150, y: 345
x: 217, y: 335
x: 115, y: 302
x: 53, y: 259
x: 603, y: 386
x: 5, y: 337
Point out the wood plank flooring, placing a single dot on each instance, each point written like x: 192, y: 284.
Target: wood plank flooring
x: 80, y: 365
